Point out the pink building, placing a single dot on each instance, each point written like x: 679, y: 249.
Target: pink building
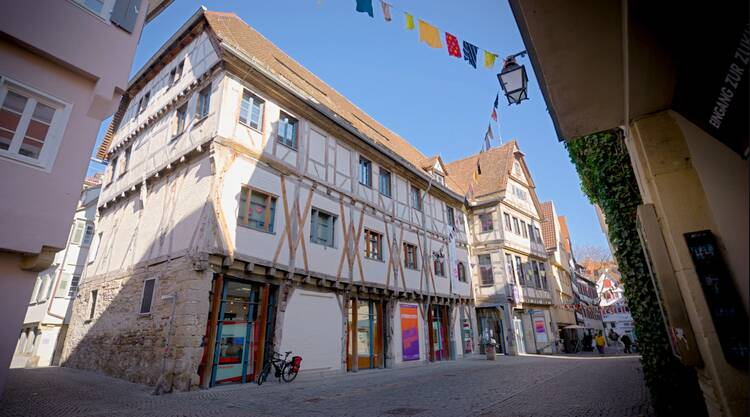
x: 64, y: 66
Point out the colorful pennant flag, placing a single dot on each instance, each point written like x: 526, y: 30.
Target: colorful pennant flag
x: 452, y: 43
x: 489, y: 59
x: 365, y: 6
x: 429, y: 34
x: 474, y: 177
x: 497, y: 98
x: 479, y: 167
x: 409, y: 21
x: 494, y: 115
x: 386, y: 11
x: 470, y: 53
x: 488, y: 137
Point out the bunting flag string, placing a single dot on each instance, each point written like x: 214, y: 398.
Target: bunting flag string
x: 430, y: 34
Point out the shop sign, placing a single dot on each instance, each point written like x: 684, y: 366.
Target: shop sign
x: 540, y: 330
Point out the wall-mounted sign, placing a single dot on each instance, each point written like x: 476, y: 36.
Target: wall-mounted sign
x: 724, y: 304
x: 410, y: 332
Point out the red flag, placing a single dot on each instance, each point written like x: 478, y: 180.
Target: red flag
x: 452, y: 42
x: 494, y: 115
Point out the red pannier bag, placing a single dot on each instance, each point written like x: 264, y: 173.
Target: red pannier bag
x: 296, y: 361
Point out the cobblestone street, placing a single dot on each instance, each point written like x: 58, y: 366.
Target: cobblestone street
x: 511, y: 386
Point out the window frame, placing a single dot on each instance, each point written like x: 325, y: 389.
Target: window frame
x: 281, y: 139
x: 203, y: 103
x: 254, y: 98
x: 381, y: 174
x: 141, y: 311
x: 143, y: 102
x: 482, y: 223
x: 77, y: 231
x: 484, y: 267
x: 416, y: 199
x: 180, y: 110
x: 365, y: 167
x: 520, y: 272
x: 508, y: 225
x: 438, y: 267
x: 269, y: 219
x: 538, y: 235
x: 55, y: 132
x: 93, y: 295
x: 314, y: 217
x: 75, y: 280
x: 509, y: 268
x: 524, y: 230
x: 461, y: 271
x: 450, y: 215
x: 411, y: 248
x: 516, y: 229
x: 376, y: 254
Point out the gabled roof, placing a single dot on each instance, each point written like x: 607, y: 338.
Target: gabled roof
x: 548, y: 225
x: 565, y: 234
x: 430, y: 163
x: 495, y: 165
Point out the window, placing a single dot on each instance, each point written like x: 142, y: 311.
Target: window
x: 78, y: 229
x: 439, y: 178
x: 385, y: 182
x: 410, y: 256
x: 204, y: 102
x: 365, y: 172
x: 485, y: 220
x: 73, y: 285
x: 523, y: 229
x: 543, y: 273
x: 515, y: 226
x: 88, y: 234
x: 257, y: 210
x: 34, y: 292
x: 62, y: 287
x: 101, y: 8
x: 287, y: 131
x: 143, y: 103
x: 125, y: 156
x: 520, y: 271
x: 27, y: 125
x: 251, y: 110
x: 92, y: 303
x: 450, y: 216
x: 180, y: 119
x: 461, y: 270
x: 537, y: 278
x: 148, y: 295
x: 321, y: 227
x: 509, y: 268
x: 94, y: 250
x: 112, y: 169
x: 45, y: 286
x: 506, y: 216
x: 439, y: 267
x: 176, y: 73
x: 531, y: 232
x: 373, y: 245
x: 538, y: 235
x: 485, y: 270
x: 416, y: 198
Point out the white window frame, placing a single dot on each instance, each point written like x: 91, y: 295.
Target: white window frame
x: 56, y: 128
x: 105, y: 13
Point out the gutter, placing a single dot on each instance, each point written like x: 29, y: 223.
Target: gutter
x: 335, y: 118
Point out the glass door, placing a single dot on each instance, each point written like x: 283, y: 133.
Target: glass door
x: 235, y: 348
x: 365, y: 329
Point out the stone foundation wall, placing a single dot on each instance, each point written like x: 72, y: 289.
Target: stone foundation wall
x: 121, y: 342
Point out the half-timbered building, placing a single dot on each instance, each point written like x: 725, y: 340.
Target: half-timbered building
x: 249, y: 207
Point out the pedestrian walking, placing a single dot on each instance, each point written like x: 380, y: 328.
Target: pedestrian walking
x: 625, y: 339
x: 600, y: 342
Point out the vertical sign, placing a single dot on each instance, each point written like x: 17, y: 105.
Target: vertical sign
x: 540, y: 332
x: 410, y: 332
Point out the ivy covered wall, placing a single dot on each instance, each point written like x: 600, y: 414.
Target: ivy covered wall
x: 607, y: 179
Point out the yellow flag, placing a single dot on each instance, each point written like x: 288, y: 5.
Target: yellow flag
x: 474, y: 177
x: 429, y: 34
x: 489, y: 59
x: 409, y: 21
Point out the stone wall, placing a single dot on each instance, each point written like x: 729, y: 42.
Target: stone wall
x: 121, y: 342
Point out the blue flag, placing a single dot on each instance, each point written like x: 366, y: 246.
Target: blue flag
x: 470, y: 53
x: 365, y: 6
x: 497, y: 97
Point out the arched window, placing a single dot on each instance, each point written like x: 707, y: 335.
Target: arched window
x: 461, y: 272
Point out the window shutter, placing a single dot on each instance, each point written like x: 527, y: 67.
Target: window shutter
x: 125, y: 13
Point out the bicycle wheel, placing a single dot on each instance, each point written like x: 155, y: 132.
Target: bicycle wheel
x: 263, y: 374
x: 287, y: 374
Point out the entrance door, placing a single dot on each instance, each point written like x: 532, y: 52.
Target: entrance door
x: 438, y: 333
x: 236, y: 344
x: 518, y: 330
x: 365, y: 330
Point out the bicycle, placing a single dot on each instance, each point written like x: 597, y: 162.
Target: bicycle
x: 284, y: 368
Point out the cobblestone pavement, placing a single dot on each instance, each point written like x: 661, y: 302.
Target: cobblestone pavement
x: 510, y: 386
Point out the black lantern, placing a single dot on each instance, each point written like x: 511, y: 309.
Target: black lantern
x: 513, y: 79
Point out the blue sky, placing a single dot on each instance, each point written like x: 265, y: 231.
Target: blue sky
x: 440, y: 104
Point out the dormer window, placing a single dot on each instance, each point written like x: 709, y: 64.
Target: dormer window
x: 517, y: 169
x: 439, y: 178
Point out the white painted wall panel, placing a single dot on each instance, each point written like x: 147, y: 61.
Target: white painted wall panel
x: 312, y: 329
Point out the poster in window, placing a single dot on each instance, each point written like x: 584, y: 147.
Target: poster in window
x: 410, y: 332
x: 231, y: 352
x: 540, y: 332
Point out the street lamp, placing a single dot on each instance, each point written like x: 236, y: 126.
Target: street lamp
x: 513, y: 79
